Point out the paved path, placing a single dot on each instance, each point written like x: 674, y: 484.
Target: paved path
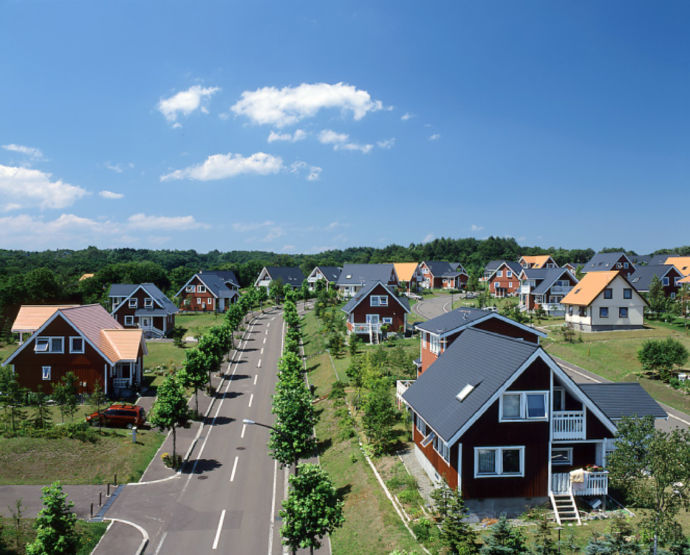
x: 430, y: 307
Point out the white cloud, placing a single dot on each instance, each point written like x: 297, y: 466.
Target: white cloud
x: 11, y: 206
x: 406, y: 116
x: 339, y: 141
x: 429, y: 237
x: 176, y: 223
x: 386, y: 143
x: 289, y: 105
x: 222, y: 166
x: 118, y: 168
x: 313, y: 172
x: 35, y: 187
x: 186, y: 102
x: 269, y: 230
x: 110, y: 195
x: 475, y: 227
x: 434, y: 137
x: 32, y: 152
x: 298, y: 135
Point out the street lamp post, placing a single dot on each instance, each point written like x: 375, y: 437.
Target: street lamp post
x: 559, y: 528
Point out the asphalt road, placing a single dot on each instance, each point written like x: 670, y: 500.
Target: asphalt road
x: 228, y: 497
x: 430, y: 307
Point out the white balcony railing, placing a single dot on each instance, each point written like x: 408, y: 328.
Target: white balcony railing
x: 401, y: 386
x: 561, y: 289
x: 595, y: 483
x: 551, y: 308
x: 568, y: 424
x: 367, y: 328
x: 525, y: 289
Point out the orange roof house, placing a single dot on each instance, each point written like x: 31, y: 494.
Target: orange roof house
x: 407, y: 271
x: 537, y: 261
x: 680, y: 262
x: 85, y: 276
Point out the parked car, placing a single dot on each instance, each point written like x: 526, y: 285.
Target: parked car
x: 119, y: 414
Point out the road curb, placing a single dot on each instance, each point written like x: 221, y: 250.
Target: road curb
x: 144, y: 533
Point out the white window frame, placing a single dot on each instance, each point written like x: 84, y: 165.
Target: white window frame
x: 129, y: 320
x: 378, y: 300
x: 201, y: 289
x: 509, y: 274
x: 133, y: 303
x: 510, y: 284
x: 434, y: 343
x: 386, y: 320
x: 499, y: 273
x: 49, y: 347
x: 665, y: 281
x: 421, y: 427
x: 626, y: 265
x: 71, y: 344
x: 198, y: 300
x: 46, y: 373
x: 444, y: 450
x: 190, y: 289
x: 558, y: 391
x: 569, y: 454
x: 148, y: 302
x: 499, y: 461
x: 523, y: 407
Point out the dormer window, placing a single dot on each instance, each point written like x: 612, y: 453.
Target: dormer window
x: 148, y: 302
x: 201, y: 289
x: 378, y: 300
x: 190, y: 289
x: 133, y: 303
x: 523, y: 405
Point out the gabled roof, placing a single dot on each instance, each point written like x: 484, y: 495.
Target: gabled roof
x: 289, y: 275
x: 363, y: 293
x: 513, y: 266
x: 605, y: 261
x: 331, y: 272
x: 31, y: 317
x: 536, y: 274
x: 126, y: 290
x: 227, y: 276
x: 537, y: 261
x: 405, y: 270
x: 686, y: 279
x: 680, y: 262
x: 492, y: 265
x: 591, y: 286
x: 358, y: 274
x: 215, y: 282
x: 655, y: 259
x: 617, y: 400
x: 642, y: 278
x: 440, y: 268
x: 85, y: 276
x: 466, y: 317
x: 551, y: 276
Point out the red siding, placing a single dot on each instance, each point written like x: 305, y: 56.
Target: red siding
x: 198, y: 302
x: 504, y: 328
x: 449, y: 470
x: 508, y: 286
x: 394, y: 310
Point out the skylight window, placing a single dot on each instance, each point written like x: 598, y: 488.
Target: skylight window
x: 464, y: 392
x: 577, y: 290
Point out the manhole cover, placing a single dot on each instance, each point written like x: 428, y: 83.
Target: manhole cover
x: 202, y: 477
x: 241, y: 448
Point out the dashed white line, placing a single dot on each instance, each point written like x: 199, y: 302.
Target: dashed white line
x: 220, y: 526
x: 262, y: 351
x: 251, y: 398
x: 256, y: 378
x: 264, y: 340
x: 258, y: 365
x: 268, y: 325
x: 244, y: 427
x: 266, y: 332
x: 234, y: 467
x: 273, y: 509
x: 160, y: 543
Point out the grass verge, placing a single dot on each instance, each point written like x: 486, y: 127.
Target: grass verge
x: 15, y: 539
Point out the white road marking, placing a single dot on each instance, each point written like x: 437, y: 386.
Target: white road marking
x: 262, y: 351
x: 259, y: 364
x: 273, y: 509
x: 256, y: 378
x: 266, y: 332
x: 244, y: 427
x: 264, y: 340
x: 220, y: 526
x: 268, y: 325
x: 251, y: 398
x: 234, y: 467
x: 160, y: 543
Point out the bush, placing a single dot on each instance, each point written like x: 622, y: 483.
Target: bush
x: 422, y: 529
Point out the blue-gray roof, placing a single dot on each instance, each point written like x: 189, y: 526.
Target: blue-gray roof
x: 289, y: 275
x: 364, y: 291
x: 482, y: 359
x: 551, y: 275
x: 332, y: 273
x: 441, y: 268
x: 357, y: 274
x: 514, y: 266
x: 641, y: 279
x: 126, y: 289
x: 492, y: 265
x: 604, y: 261
x: 217, y: 285
x: 466, y: 317
x: 227, y: 276
x: 617, y: 400
x: 122, y: 289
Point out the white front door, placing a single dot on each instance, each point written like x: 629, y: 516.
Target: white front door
x: 146, y: 322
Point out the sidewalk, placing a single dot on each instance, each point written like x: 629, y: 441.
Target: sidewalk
x: 81, y: 496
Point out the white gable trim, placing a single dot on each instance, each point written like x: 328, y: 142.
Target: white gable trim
x: 371, y: 290
x: 45, y: 324
x: 201, y: 280
x: 140, y: 286
x: 264, y: 271
x: 539, y: 353
x: 488, y: 316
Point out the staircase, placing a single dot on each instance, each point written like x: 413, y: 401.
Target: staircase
x: 564, y: 508
x: 374, y: 335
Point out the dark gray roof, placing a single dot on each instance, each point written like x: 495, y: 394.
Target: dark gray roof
x: 492, y: 265
x: 356, y: 274
x: 228, y: 276
x: 444, y: 269
x: 514, y: 266
x: 482, y: 359
x: 216, y: 285
x: 642, y: 278
x: 364, y: 291
x: 659, y: 259
x: 617, y: 400
x: 643, y: 259
x: 126, y: 289
x: 452, y: 320
x: 332, y: 273
x: 536, y: 273
x: 603, y: 262
x: 289, y: 275
x: 552, y: 274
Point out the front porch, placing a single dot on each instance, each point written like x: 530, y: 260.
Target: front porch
x: 593, y: 483
x: 123, y: 379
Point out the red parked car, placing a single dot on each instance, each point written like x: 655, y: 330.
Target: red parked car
x: 119, y: 414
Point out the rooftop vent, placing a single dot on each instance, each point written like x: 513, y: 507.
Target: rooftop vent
x: 464, y: 393
x: 578, y: 290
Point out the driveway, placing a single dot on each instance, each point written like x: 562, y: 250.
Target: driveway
x: 430, y: 307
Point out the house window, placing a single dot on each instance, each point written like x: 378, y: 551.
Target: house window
x: 378, y: 300
x: 623, y: 312
x: 129, y: 320
x: 608, y: 293
x: 499, y: 461
x: 510, y: 284
x: 201, y: 289
x: 558, y: 398
x: 673, y: 294
x: 523, y: 405
x: 442, y: 449
x: 570, y: 311
x: 509, y: 274
x: 387, y: 320
x: 76, y: 345
x: 665, y: 281
x: 435, y: 344
x: 198, y: 300
x: 603, y: 312
x: 618, y: 265
x: 499, y: 273
x: 187, y: 302
x: 132, y: 303
x: 190, y: 289
x: 627, y: 293
x: 49, y: 345
x: 497, y: 285
x: 676, y: 280
x: 148, y: 302
x: 45, y: 372
x: 421, y: 426
x: 562, y: 456
x: 626, y: 265
x: 583, y: 311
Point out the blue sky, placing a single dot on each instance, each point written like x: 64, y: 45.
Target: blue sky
x: 304, y: 126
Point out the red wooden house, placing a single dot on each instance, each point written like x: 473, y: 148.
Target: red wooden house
x: 209, y: 292
x: 87, y: 341
x: 505, y: 280
x: 442, y: 275
x: 610, y: 261
x: 376, y: 306
x: 142, y: 306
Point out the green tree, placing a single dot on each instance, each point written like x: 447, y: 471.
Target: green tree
x: 170, y: 409
x: 656, y: 296
x: 275, y: 290
x: 98, y: 398
x: 455, y: 533
x: 11, y: 398
x: 616, y: 541
x: 659, y: 356
x: 261, y: 297
x: 312, y: 509
x: 194, y: 373
x: 65, y: 395
x: 543, y: 542
x: 651, y: 467
x: 291, y: 437
x: 504, y: 539
x: 55, y: 525
x: 380, y: 416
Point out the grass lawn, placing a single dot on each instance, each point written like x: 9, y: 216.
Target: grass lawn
x: 198, y: 324
x: 613, y: 355
x: 89, y: 534
x: 6, y: 349
x: 26, y: 460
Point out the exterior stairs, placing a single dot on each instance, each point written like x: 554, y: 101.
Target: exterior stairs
x: 374, y: 336
x: 565, y: 508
